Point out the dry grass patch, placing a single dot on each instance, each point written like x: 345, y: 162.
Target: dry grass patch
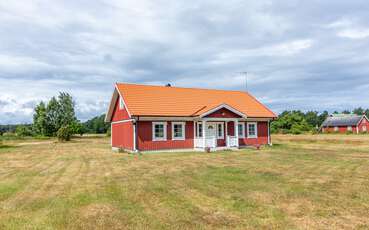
x: 302, y: 182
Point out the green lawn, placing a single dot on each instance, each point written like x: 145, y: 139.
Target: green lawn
x: 302, y: 182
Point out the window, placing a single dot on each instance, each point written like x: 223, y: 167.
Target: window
x: 178, y: 130
x: 336, y: 129
x: 121, y: 104
x: 349, y: 128
x: 220, y: 130
x: 364, y: 128
x: 159, y: 131
x: 252, y: 131
x: 241, y: 130
x: 199, y: 129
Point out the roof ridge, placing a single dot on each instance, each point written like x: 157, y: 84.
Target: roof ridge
x: 163, y: 86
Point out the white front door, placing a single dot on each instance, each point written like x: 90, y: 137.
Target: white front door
x: 211, y: 135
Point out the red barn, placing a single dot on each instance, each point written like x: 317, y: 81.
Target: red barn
x: 344, y: 123
x: 149, y: 118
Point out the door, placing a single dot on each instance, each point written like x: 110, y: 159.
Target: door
x: 211, y: 140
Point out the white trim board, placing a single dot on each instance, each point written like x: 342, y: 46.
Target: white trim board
x: 225, y: 106
x: 164, y: 134
x: 183, y: 124
x: 256, y: 130
x: 112, y: 103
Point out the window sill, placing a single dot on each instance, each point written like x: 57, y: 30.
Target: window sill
x: 159, y: 140
x: 178, y: 139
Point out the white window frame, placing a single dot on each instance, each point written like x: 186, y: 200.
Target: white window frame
x: 243, y: 130
x: 121, y: 103
x: 364, y: 129
x: 248, y: 129
x: 165, y: 131
x: 222, y: 125
x: 199, y: 134
x: 183, y: 124
x: 349, y: 128
x: 336, y: 129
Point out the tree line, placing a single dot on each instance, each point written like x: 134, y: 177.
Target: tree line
x: 297, y: 122
x: 57, y: 118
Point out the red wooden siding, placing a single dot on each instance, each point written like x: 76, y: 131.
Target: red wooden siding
x: 341, y: 129
x: 362, y: 124
x: 262, y: 138
x: 223, y: 113
x: 145, y: 142
x: 122, y: 135
x: 119, y: 115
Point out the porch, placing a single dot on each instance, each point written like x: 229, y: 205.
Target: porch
x: 215, y: 133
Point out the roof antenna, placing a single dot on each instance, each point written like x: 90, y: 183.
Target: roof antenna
x: 245, y: 73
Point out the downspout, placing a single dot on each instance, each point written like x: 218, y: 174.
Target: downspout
x: 135, y: 128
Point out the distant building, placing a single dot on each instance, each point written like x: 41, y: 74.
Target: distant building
x: 343, y: 123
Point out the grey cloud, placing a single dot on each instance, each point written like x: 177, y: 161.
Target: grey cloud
x: 299, y: 55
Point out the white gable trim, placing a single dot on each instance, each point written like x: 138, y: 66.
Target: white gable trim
x: 113, y: 100
x: 221, y: 107
x: 364, y: 116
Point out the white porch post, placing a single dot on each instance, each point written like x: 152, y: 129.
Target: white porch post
x: 236, y: 131
x: 204, y: 133
x: 226, y: 133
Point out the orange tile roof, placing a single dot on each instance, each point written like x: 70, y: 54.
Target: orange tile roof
x: 148, y: 100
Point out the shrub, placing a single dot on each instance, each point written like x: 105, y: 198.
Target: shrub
x: 108, y: 133
x: 64, y: 133
x: 23, y: 131
x: 348, y: 132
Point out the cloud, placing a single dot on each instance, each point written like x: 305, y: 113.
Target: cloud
x: 298, y: 55
x: 354, y: 33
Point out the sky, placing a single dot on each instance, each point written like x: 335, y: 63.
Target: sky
x: 307, y: 55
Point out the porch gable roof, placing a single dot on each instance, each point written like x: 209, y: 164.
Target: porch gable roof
x: 222, y: 106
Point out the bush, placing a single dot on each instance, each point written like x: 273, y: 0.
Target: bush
x: 108, y: 133
x: 64, y: 133
x: 23, y: 131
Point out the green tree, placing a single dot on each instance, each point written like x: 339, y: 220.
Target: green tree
x: 312, y: 118
x: 52, y: 117
x: 346, y: 112
x: 322, y: 117
x: 64, y: 133
x: 39, y: 119
x: 96, y: 125
x: 65, y: 110
x: 23, y: 131
x: 359, y: 111
x: 78, y: 128
x: 58, y: 112
x: 291, y: 122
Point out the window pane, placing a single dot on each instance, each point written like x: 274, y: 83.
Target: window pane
x: 159, y: 131
x: 199, y: 134
x: 252, y: 130
x: 220, y: 130
x: 240, y: 130
x: 178, y: 130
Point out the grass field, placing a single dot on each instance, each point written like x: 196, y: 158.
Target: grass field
x: 302, y: 182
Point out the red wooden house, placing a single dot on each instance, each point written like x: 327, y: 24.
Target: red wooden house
x: 149, y: 118
x: 345, y: 123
